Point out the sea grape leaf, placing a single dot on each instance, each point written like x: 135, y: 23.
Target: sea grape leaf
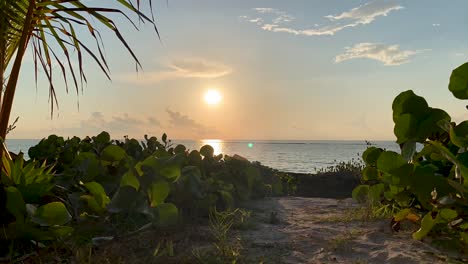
x: 102, y: 138
x: 168, y: 214
x: 60, y: 231
x: 370, y: 173
x: 158, y: 192
x: 459, y: 134
x: 390, y: 161
x: 28, y: 232
x: 361, y: 193
x: 125, y: 199
x: 179, y: 149
x: 92, y: 203
x: 458, y: 84
x: 113, y: 153
x: 427, y: 223
x: 98, y: 192
x: 447, y: 215
x: 54, y: 213
x: 403, y: 176
x: 425, y: 181
x: 191, y: 180
x: 195, y: 157
x: 15, y: 203
x: 405, y: 127
x: 371, y: 155
x: 409, y: 103
x: 446, y: 153
x: 129, y: 179
x: 375, y: 193
x: 207, y: 151
x: 431, y: 123
x: 150, y: 163
x: 87, y: 166
x: 171, y: 167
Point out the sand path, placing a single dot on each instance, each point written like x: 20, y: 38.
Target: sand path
x: 320, y: 230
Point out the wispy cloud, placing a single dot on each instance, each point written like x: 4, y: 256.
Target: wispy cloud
x: 436, y: 25
x: 390, y: 55
x: 188, y: 126
x: 362, y: 15
x: 117, y: 125
x: 181, y: 68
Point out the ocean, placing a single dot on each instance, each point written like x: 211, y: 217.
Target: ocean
x: 288, y: 156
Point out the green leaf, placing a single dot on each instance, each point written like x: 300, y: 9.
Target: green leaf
x: 102, y: 138
x: 405, y: 129
x: 158, y: 192
x: 129, y: 179
x: 402, y: 214
x: 179, y: 149
x: 195, y: 157
x: 150, y: 163
x: 427, y: 223
x: 113, y: 153
x: 409, y: 103
x: 447, y: 214
x: 361, y: 193
x: 127, y: 199
x: 370, y: 173
x: 371, y: 155
x: 207, y: 151
x: 459, y: 134
x: 50, y: 214
x: 390, y: 161
x: 168, y: 214
x: 459, y: 82
x: 92, y: 203
x: 87, y: 166
x: 98, y: 192
x: 375, y: 193
x: 61, y: 231
x: 15, y: 203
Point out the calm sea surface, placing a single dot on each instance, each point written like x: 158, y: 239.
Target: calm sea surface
x: 290, y: 156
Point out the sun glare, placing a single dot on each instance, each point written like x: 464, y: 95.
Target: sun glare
x: 212, y: 97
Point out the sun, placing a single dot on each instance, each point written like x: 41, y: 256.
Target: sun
x: 212, y: 97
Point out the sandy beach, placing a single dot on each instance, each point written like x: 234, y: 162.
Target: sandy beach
x: 322, y: 230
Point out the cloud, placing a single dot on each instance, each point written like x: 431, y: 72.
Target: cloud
x: 181, y: 68
x: 117, y: 125
x: 436, y: 25
x: 362, y: 15
x: 367, y: 13
x: 188, y: 127
x: 390, y: 55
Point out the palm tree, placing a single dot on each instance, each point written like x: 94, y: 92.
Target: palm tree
x: 49, y: 28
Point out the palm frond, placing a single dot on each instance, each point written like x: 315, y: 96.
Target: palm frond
x: 54, y: 39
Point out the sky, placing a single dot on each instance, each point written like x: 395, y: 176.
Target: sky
x: 286, y: 70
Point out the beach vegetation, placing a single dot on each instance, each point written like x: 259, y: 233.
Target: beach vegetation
x: 84, y: 191
x: 430, y: 186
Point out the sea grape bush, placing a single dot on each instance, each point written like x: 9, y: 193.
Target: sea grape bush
x: 430, y: 186
x: 83, y: 187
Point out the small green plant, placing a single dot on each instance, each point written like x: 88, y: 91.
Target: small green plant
x: 227, y: 250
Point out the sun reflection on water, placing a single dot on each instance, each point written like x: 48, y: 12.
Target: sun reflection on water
x: 217, y: 145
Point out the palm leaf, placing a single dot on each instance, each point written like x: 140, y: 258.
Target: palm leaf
x: 54, y: 40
